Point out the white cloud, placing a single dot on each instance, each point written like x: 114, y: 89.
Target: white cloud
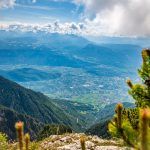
x: 12, y: 3
x: 56, y: 27
x: 100, y: 17
x: 119, y: 17
x: 7, y: 3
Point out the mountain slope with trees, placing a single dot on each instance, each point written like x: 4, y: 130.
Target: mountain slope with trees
x: 35, y: 104
x: 9, y: 117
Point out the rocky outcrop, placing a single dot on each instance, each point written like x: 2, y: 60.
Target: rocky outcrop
x: 72, y: 142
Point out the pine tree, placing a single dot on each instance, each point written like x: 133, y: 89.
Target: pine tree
x: 132, y: 125
x: 141, y: 92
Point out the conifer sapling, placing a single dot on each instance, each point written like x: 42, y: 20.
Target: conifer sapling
x: 27, y: 141
x: 19, y: 129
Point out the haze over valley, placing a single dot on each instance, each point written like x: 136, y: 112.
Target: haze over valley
x: 68, y: 66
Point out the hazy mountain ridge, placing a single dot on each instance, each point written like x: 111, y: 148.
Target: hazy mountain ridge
x: 29, y: 74
x: 65, y: 47
x: 84, y: 66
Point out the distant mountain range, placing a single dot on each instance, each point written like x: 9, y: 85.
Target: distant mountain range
x: 70, y: 67
x: 29, y: 74
x: 64, y: 50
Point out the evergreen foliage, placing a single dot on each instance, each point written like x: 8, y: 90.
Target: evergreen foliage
x: 27, y: 140
x: 132, y: 125
x: 10, y: 117
x: 141, y: 92
x: 3, y: 141
x: 100, y: 128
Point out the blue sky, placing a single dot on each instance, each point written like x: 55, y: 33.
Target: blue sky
x: 42, y: 11
x: 86, y: 17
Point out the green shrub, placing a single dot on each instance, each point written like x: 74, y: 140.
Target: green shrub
x: 34, y: 146
x: 3, y: 141
x: 133, y: 125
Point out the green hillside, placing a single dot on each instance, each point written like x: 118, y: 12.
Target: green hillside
x: 84, y: 114
x: 9, y: 117
x: 34, y: 104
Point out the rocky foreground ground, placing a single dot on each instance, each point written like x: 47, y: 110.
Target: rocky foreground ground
x: 72, y: 142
